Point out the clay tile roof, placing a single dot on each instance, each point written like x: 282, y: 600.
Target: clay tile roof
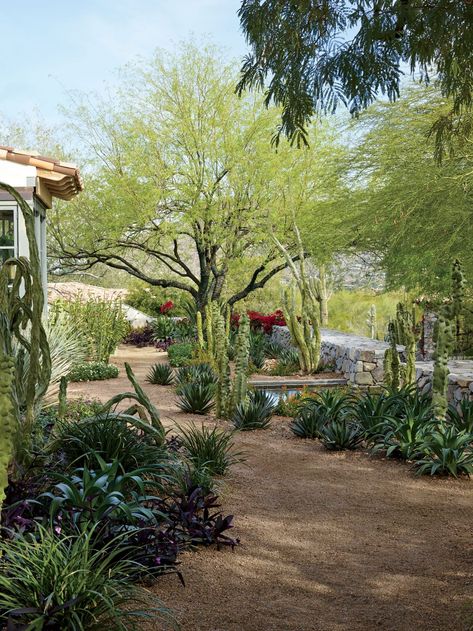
x: 62, y: 179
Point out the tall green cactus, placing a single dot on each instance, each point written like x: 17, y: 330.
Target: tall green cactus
x: 392, y: 363
x: 21, y: 332
x: 200, y: 331
x: 209, y: 329
x: 444, y: 339
x: 222, y: 396
x: 242, y: 355
x: 407, y: 333
x: 305, y: 333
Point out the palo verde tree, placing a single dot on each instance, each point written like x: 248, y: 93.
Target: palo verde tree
x: 405, y: 206
x: 182, y: 186
x: 318, y: 55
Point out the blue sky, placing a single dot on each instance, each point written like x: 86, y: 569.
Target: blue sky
x: 49, y: 47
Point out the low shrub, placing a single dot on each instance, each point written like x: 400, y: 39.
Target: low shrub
x: 57, y: 582
x: 160, y: 374
x: 141, y: 337
x: 180, y: 353
x: 212, y: 448
x: 163, y: 328
x: 403, y: 437
x: 93, y: 371
x: 289, y: 404
x: 196, y: 398
x: 109, y: 436
x: 370, y: 412
x: 306, y: 423
x: 322, y: 409
x: 255, y: 412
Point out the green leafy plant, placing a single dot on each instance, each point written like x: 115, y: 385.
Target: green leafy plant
x: 325, y: 407
x: 93, y: 371
x: 212, y: 448
x: 461, y: 416
x: 446, y: 451
x: 257, y: 349
x: 403, y: 437
x: 255, y: 412
x: 196, y: 398
x: 100, y: 323
x: 370, y: 412
x: 160, y: 374
x: 109, y: 436
x: 196, y: 373
x: 181, y: 353
x: 341, y: 434
x: 58, y: 582
x: 163, y: 327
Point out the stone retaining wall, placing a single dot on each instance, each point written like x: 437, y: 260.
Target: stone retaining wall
x: 360, y: 360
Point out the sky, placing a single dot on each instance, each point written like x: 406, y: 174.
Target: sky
x: 51, y: 47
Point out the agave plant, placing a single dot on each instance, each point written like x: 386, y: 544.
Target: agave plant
x: 341, y: 434
x: 403, y: 437
x: 446, y: 451
x: 160, y: 374
x: 462, y: 416
x: 370, y: 411
x: 210, y: 448
x: 163, y: 327
x: 196, y: 398
x: 255, y: 412
x: 328, y: 406
x: 196, y: 373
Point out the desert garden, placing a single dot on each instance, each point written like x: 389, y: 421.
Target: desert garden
x: 236, y: 341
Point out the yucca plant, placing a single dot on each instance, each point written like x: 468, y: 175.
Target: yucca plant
x: 160, y: 374
x: 341, y: 434
x: 57, y: 582
x: 109, y: 436
x: 255, y: 412
x: 212, y: 448
x: 446, y: 451
x: 462, y: 416
x: 196, y: 398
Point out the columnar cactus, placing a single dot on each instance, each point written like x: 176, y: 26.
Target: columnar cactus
x: 209, y: 329
x: 372, y: 322
x: 8, y: 420
x: 242, y: 355
x: 444, y: 340
x: 200, y: 331
x: 221, y: 359
x: 392, y: 364
x: 407, y: 333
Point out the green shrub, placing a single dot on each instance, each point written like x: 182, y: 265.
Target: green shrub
x: 109, y: 436
x: 210, y: 448
x: 461, y: 417
x: 181, y: 353
x: 160, y: 374
x: 100, y: 323
x: 93, y: 371
x: 322, y: 409
x: 446, y: 451
x: 255, y: 412
x: 63, y: 583
x: 196, y: 398
x: 150, y: 299
x: 163, y: 327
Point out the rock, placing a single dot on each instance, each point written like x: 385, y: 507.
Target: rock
x: 363, y: 379
x: 369, y: 366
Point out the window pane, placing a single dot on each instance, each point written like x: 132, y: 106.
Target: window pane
x: 6, y: 253
x: 7, y: 231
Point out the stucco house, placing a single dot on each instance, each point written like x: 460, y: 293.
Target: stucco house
x: 38, y: 179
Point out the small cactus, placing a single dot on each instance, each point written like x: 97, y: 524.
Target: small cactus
x: 372, y: 322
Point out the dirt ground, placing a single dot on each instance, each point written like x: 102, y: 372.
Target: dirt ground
x: 329, y: 541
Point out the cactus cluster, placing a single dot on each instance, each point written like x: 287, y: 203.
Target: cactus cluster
x: 392, y: 363
x: 242, y: 358
x: 25, y: 362
x: 407, y: 333
x: 444, y: 339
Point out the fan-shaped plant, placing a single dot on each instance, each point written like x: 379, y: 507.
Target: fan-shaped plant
x: 160, y: 374
x: 210, y: 448
x: 196, y: 398
x: 462, y: 416
x: 196, y: 373
x: 327, y: 407
x: 255, y: 412
x: 403, y: 437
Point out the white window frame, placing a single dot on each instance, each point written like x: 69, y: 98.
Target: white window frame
x: 8, y: 205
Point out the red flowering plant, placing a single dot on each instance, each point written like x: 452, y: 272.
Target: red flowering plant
x: 166, y: 307
x: 261, y: 322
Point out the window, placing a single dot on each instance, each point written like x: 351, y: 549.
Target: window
x: 7, y: 234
